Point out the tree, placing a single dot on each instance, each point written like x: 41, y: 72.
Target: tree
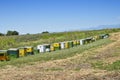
x: 9, y: 33
x: 1, y: 34
x: 45, y: 32
x: 15, y: 33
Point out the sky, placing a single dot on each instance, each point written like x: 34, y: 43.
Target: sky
x: 36, y: 16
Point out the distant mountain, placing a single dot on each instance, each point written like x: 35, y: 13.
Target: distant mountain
x: 105, y: 27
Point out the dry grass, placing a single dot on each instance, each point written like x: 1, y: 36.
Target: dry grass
x: 77, y: 67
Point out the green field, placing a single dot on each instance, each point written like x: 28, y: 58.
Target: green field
x: 60, y: 54
x: 35, y: 39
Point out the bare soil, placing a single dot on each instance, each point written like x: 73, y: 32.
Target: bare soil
x: 77, y: 67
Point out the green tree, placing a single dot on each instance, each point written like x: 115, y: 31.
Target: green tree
x: 1, y: 34
x: 15, y: 33
x: 45, y: 32
x: 9, y: 33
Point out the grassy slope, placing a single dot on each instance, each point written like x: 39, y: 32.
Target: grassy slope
x: 60, y: 54
x: 109, y: 58
x: 35, y: 39
x: 87, y: 62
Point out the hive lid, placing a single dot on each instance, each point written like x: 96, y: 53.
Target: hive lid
x: 1, y: 51
x: 14, y: 49
x: 44, y: 45
x: 28, y: 46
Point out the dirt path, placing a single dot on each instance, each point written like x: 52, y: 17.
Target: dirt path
x: 73, y: 68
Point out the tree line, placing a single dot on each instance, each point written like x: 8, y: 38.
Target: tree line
x: 10, y: 33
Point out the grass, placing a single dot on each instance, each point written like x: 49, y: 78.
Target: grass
x: 110, y: 67
x: 35, y: 39
x: 54, y: 69
x: 60, y: 54
x: 114, y: 65
x: 98, y: 64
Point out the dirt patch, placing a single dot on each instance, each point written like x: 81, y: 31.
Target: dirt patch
x: 115, y: 36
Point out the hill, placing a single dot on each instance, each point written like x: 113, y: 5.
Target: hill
x: 99, y: 60
x: 35, y: 39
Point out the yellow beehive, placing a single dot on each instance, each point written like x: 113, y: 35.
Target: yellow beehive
x: 4, y: 55
x: 22, y: 52
x: 56, y: 44
x: 78, y: 42
x: 74, y: 42
x: 52, y: 48
x: 96, y: 37
x: 29, y: 50
x: 66, y: 45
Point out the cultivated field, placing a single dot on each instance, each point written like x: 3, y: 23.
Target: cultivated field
x: 99, y: 60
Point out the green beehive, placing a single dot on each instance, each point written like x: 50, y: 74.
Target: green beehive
x: 36, y: 51
x: 70, y: 44
x: 47, y: 47
x: 103, y: 36
x: 13, y: 52
x: 107, y: 35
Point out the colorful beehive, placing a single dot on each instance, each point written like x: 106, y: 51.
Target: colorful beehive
x: 44, y: 48
x: 36, y: 51
x: 66, y: 44
x: 103, y: 36
x: 13, y: 52
x: 70, y: 44
x: 22, y: 52
x: 52, y: 48
x: 96, y: 37
x: 75, y: 43
x: 93, y: 39
x: 4, y: 55
x: 56, y: 46
x: 62, y: 45
x: 29, y: 50
x: 106, y: 35
x: 88, y: 40
x: 78, y: 42
x: 82, y: 41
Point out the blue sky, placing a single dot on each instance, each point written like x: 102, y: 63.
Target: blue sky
x: 36, y: 16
